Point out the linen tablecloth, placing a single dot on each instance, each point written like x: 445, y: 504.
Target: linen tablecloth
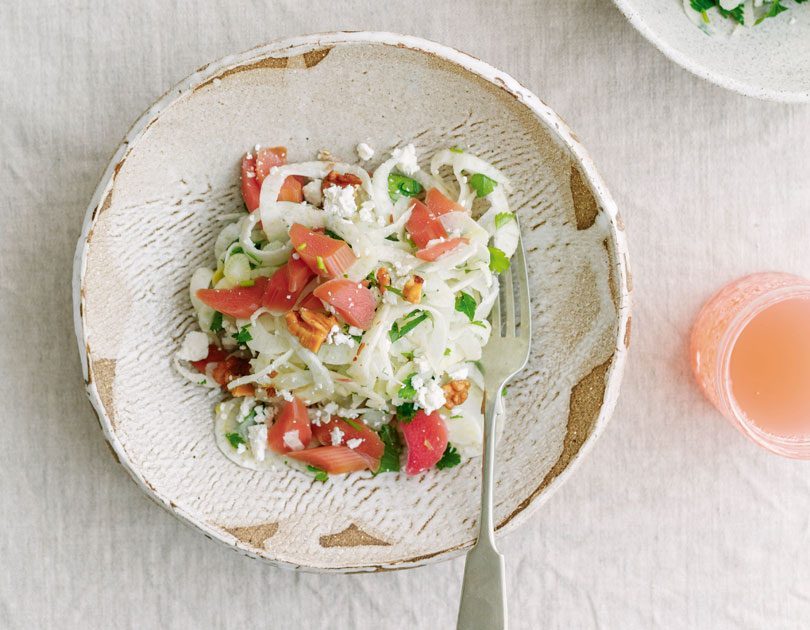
x: 673, y: 521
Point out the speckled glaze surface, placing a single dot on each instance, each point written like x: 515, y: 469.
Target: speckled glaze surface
x: 160, y: 204
x: 768, y: 61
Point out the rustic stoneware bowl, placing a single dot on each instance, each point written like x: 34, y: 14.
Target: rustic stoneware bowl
x: 769, y: 61
x: 161, y: 202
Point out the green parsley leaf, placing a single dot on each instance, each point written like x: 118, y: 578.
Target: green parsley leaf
x: 394, y: 290
x: 498, y: 261
x: 405, y: 412
x: 504, y: 391
x: 465, y: 303
x: 320, y: 474
x: 482, y: 185
x: 737, y: 13
x: 216, y: 322
x: 389, y: 462
x: 456, y: 150
x: 702, y: 5
x: 236, y: 250
x: 407, y: 391
x: 502, y: 218
x: 449, y: 459
x: 408, y: 355
x: 398, y: 331
x: 371, y: 278
x: 333, y: 235
x: 402, y: 186
x: 354, y: 424
x: 243, y: 336
x: 392, y: 237
x: 775, y: 9
x: 447, y: 352
x: 235, y: 439
x: 478, y: 323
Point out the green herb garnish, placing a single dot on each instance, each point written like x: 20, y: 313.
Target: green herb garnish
x: 482, y: 185
x: 498, y: 261
x: 502, y: 218
x: 394, y: 290
x: 333, y: 235
x: 320, y: 474
x: 449, y: 459
x: 775, y: 9
x: 216, y: 322
x: 235, y: 439
x: 405, y: 412
x: 479, y: 323
x: 402, y: 186
x: 456, y: 150
x: 389, y: 462
x: 243, y: 336
x: 398, y: 331
x: 407, y: 391
x: 465, y: 303
x: 353, y: 424
x: 447, y: 352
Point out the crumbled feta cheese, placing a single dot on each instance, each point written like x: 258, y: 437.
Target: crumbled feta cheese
x: 312, y: 192
x: 240, y: 448
x: 336, y: 435
x: 400, y: 270
x: 257, y: 436
x: 340, y: 202
x: 292, y: 440
x: 296, y: 256
x: 194, y: 346
x: 286, y: 395
x: 367, y: 214
x: 331, y: 408
x: 354, y: 442
x: 422, y: 366
x: 459, y: 373
x: 429, y: 394
x: 406, y: 159
x: 338, y: 338
x: 364, y: 152
x: 354, y: 331
x: 317, y: 416
x: 261, y: 413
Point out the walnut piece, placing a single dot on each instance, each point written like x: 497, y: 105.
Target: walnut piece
x: 412, y: 291
x: 310, y: 327
x: 343, y: 180
x: 455, y: 392
x: 383, y: 279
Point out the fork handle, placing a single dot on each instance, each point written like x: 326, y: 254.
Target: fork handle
x: 483, y: 593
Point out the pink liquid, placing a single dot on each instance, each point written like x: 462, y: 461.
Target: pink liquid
x: 770, y: 368
x: 750, y: 352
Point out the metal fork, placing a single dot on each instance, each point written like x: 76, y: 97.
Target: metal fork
x: 483, y: 594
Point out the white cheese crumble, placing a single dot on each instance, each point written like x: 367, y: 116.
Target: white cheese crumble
x: 406, y: 159
x: 354, y: 331
x: 364, y: 152
x: 194, y: 347
x: 459, y: 373
x: 338, y: 338
x: 340, y: 202
x: 286, y: 395
x: 422, y: 366
x: 336, y: 435
x: 312, y: 192
x: 317, y: 416
x: 429, y: 394
x: 367, y: 214
x: 354, y: 442
x: 240, y: 448
x: 257, y: 436
x: 292, y: 440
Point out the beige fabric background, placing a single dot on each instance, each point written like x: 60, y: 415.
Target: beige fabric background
x: 674, y: 521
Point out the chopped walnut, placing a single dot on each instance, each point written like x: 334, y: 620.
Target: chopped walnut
x: 383, y: 279
x: 243, y: 390
x: 310, y: 327
x: 342, y: 180
x: 455, y: 392
x: 412, y: 291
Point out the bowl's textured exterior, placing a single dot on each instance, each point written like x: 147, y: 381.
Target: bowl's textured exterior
x: 768, y: 61
x: 161, y: 203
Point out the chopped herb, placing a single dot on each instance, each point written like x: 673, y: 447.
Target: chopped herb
x: 243, y: 336
x: 775, y: 9
x: 456, y: 150
x: 371, y: 278
x: 247, y: 283
x: 236, y: 250
x: 498, y: 261
x: 480, y: 324
x: 320, y: 263
x: 353, y: 424
x: 482, y: 185
x: 394, y: 290
x: 398, y: 331
x: 458, y: 416
x: 447, y: 352
x: 320, y: 474
x: 502, y: 218
x: 216, y: 322
x: 333, y: 235
x: 405, y: 412
x: 301, y: 247
x: 465, y: 303
x: 357, y: 338
x: 407, y: 391
x: 449, y: 459
x: 402, y: 186
x: 408, y: 355
x: 389, y: 462
x: 737, y: 13
x: 504, y: 391
x: 392, y: 237
x: 235, y: 439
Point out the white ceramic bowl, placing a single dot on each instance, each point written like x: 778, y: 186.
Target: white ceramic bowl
x: 769, y: 61
x: 159, y: 206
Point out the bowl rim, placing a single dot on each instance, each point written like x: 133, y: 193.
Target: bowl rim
x: 628, y: 9
x: 288, y: 46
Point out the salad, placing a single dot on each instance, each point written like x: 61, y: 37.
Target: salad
x: 346, y: 311
x: 728, y: 14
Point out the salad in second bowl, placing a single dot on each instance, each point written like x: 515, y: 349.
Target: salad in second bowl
x: 346, y: 311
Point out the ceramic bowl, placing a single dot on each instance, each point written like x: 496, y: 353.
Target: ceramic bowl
x: 161, y: 202
x: 768, y: 61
